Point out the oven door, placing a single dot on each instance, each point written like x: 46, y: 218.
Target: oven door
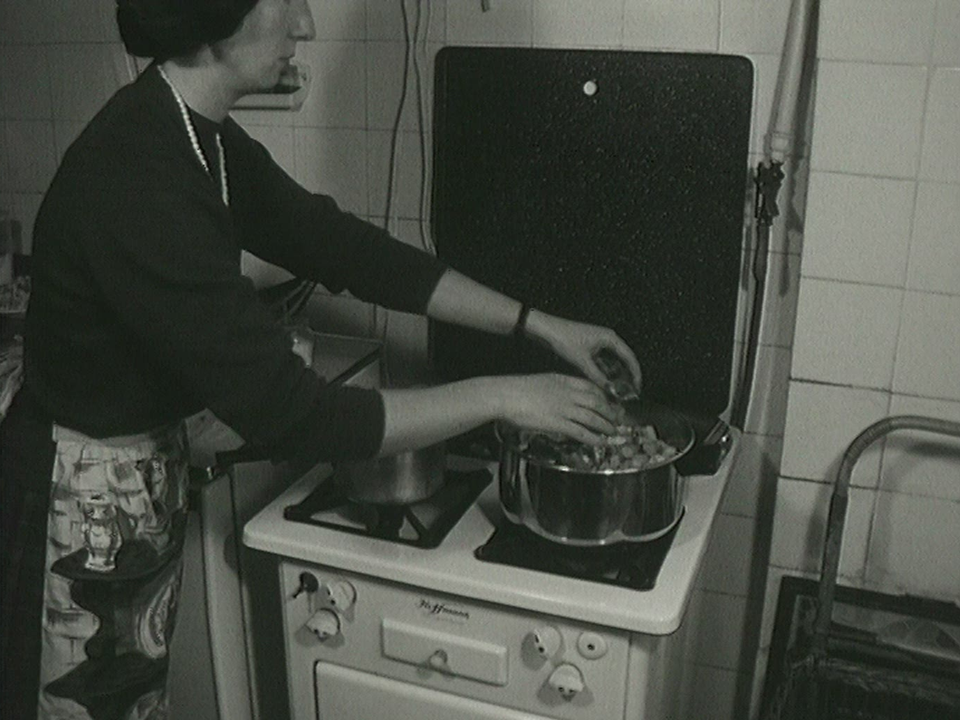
x: 346, y: 694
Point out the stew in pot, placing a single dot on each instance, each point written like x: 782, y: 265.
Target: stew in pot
x: 634, y: 447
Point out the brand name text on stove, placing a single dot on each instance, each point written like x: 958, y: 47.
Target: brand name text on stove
x: 439, y: 608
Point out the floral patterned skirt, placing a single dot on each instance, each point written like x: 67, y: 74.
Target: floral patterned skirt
x: 116, y: 524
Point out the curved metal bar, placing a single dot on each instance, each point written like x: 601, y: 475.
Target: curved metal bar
x: 838, y: 507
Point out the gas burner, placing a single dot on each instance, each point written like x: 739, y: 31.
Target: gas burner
x: 629, y: 565
x: 423, y: 524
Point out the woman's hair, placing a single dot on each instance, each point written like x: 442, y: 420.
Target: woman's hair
x: 163, y: 29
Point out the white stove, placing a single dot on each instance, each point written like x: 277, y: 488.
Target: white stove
x: 380, y: 628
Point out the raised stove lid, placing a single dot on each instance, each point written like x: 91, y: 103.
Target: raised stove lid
x: 607, y: 186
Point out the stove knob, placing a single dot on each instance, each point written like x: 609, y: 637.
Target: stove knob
x: 308, y: 584
x: 547, y: 641
x: 342, y: 595
x: 566, y: 680
x: 439, y: 660
x: 325, y: 624
x: 591, y: 645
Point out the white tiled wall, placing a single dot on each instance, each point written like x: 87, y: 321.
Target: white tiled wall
x: 869, y: 118
x: 934, y: 264
x: 801, y: 516
x: 877, y: 317
x: 821, y: 420
x: 558, y: 23
x: 25, y: 100
x: 846, y: 333
x: 753, y: 26
x: 946, y: 42
x: 941, y: 151
x: 847, y: 213
x: 914, y: 547
x: 915, y: 463
x: 757, y: 464
x: 861, y: 30
x: 673, y: 24
x: 928, y: 357
x: 730, y: 555
x: 878, y: 322
x: 510, y: 23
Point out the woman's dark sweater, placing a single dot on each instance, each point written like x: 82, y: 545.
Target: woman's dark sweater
x: 139, y: 314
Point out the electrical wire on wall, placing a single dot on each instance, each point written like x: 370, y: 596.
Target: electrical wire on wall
x: 395, y: 132
x: 415, y: 32
x: 424, y: 103
x: 416, y: 25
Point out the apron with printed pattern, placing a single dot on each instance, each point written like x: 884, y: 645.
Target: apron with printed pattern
x: 114, y: 555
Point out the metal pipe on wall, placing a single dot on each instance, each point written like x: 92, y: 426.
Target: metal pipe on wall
x: 778, y: 145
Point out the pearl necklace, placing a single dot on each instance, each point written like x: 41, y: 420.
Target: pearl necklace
x: 195, y: 142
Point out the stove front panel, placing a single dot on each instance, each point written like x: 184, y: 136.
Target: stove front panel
x: 345, y: 694
x: 420, y: 639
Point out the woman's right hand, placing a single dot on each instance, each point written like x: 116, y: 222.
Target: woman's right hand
x: 565, y: 405
x: 555, y: 403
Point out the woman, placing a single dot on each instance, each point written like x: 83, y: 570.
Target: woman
x: 140, y: 317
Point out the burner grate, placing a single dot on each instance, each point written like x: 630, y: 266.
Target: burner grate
x: 629, y: 565
x: 422, y: 524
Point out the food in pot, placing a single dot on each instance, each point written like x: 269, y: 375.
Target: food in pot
x: 633, y: 447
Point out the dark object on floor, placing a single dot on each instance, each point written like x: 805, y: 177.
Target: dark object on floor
x: 901, y: 661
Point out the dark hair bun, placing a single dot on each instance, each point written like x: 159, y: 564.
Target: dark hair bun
x: 163, y: 29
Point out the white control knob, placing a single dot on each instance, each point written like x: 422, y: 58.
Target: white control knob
x: 325, y: 624
x: 342, y: 595
x: 547, y: 641
x: 591, y: 645
x: 439, y: 660
x: 566, y: 680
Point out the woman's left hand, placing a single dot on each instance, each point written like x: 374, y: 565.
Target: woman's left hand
x: 578, y: 342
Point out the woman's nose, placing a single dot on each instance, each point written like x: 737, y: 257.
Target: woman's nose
x: 303, y: 27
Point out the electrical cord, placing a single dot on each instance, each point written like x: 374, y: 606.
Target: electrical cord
x: 423, y: 104
x: 409, y: 58
x: 397, y: 120
x: 767, y: 180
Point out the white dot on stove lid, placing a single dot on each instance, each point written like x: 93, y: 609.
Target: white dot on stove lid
x: 590, y: 88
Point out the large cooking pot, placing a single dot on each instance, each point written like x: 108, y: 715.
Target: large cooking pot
x: 400, y: 479
x: 589, y: 508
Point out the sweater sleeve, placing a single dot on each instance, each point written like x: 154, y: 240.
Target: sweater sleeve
x: 309, y: 235
x: 167, y: 265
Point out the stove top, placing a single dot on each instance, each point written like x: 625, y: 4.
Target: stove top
x: 453, y: 569
x: 628, y: 565
x: 422, y: 524
x: 426, y: 523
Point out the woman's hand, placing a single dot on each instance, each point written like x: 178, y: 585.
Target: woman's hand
x: 552, y: 403
x: 578, y: 342
x: 555, y: 403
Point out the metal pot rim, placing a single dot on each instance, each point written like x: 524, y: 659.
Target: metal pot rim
x: 504, y: 430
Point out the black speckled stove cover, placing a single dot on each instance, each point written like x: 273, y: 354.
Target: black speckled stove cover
x: 606, y: 186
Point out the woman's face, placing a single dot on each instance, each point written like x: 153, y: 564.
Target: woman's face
x: 265, y: 42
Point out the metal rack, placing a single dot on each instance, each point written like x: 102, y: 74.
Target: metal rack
x: 834, y: 677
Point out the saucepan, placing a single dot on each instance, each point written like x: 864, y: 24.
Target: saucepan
x: 627, y: 490
x: 582, y: 496
x: 402, y: 479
